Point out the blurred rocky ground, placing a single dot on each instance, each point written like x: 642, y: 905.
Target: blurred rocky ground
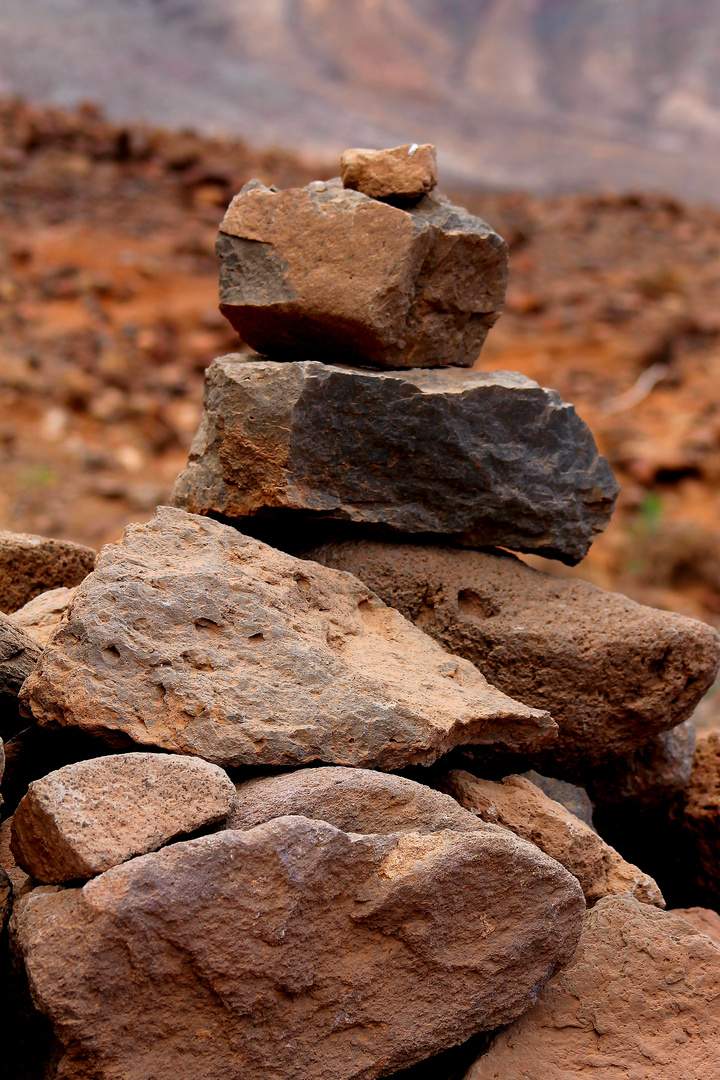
x: 108, y: 318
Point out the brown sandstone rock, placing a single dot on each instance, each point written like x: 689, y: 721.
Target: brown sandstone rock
x: 41, y: 616
x: 30, y: 565
x: 285, y: 448
x: 698, y: 820
x: 703, y: 919
x: 354, y: 800
x: 18, y: 656
x: 639, y: 999
x: 406, y: 171
x: 333, y: 271
x: 520, y: 806
x: 84, y: 818
x: 192, y: 637
x: 611, y: 672
x: 295, y: 950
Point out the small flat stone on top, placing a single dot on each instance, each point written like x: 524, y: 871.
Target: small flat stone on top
x: 406, y: 172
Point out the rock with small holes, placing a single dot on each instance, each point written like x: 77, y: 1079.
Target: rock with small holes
x: 30, y: 565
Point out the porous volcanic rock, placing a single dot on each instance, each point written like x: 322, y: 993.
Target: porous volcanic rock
x: 18, y: 655
x: 703, y: 919
x: 698, y: 821
x: 648, y: 776
x: 640, y: 998
x: 41, y: 616
x: 84, y: 818
x: 611, y: 672
x: 483, y: 457
x: 406, y: 171
x: 32, y: 564
x: 295, y: 950
x: 520, y: 806
x: 354, y: 800
x: 335, y: 272
x: 192, y: 637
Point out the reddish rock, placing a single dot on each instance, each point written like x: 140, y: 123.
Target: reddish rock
x: 698, y: 819
x: 406, y: 172
x: 295, y: 950
x: 30, y: 565
x: 703, y: 919
x: 640, y: 999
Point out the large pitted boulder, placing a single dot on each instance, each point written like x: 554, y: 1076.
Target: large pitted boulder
x: 484, y: 457
x: 32, y: 564
x: 82, y: 819
x: 520, y: 806
x: 640, y: 999
x: 611, y: 672
x: 333, y: 271
x: 354, y: 800
x: 295, y: 950
x: 192, y: 637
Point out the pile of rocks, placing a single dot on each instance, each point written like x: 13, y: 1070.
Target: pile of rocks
x: 297, y: 777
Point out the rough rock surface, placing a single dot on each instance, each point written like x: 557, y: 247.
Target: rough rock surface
x: 612, y: 673
x: 333, y: 271
x: 484, y: 457
x: 192, y: 637
x: 41, y: 616
x: 295, y: 950
x: 19, y: 880
x: 31, y: 564
x: 520, y: 806
x: 640, y: 999
x: 649, y: 775
x: 699, y: 820
x: 703, y: 919
x: 84, y: 818
x: 573, y: 798
x: 406, y: 171
x: 18, y: 656
x: 354, y: 800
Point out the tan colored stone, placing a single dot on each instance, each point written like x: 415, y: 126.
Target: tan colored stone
x: 194, y: 638
x: 354, y: 800
x: 518, y: 805
x: 703, y: 919
x: 612, y: 673
x: 640, y: 999
x: 20, y: 881
x: 84, y: 818
x: 295, y: 950
x: 30, y: 565
x: 406, y: 172
x: 42, y: 615
x: 332, y: 272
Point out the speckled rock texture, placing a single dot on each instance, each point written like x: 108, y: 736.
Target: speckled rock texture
x: 405, y: 172
x: 612, y: 673
x: 482, y: 457
x: 640, y: 999
x: 30, y: 565
x: 520, y: 806
x: 194, y: 638
x: 295, y: 950
x: 334, y: 272
x: 84, y: 818
x: 354, y: 800
x: 41, y: 616
x: 703, y: 919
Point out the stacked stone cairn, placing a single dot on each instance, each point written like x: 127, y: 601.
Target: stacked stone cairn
x: 301, y: 777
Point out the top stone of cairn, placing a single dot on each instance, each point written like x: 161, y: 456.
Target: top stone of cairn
x: 341, y: 276
x: 407, y: 172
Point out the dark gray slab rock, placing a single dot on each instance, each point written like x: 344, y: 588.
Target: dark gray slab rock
x: 354, y: 800
x: 482, y: 457
x: 337, y: 273
x: 612, y: 673
x: 192, y: 637
x: 294, y: 950
x: 651, y: 775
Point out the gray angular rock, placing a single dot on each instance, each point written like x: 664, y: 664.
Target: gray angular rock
x: 612, y: 673
x: 573, y: 798
x: 295, y: 950
x: 333, y: 271
x: 354, y: 800
x: 648, y: 776
x: 31, y: 564
x: 482, y: 457
x: 18, y: 655
x: 82, y: 819
x: 194, y: 638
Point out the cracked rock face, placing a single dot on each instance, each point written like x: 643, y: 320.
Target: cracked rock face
x: 285, y: 951
x: 611, y: 672
x: 638, y: 999
x: 481, y: 457
x: 194, y: 638
x: 333, y: 271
